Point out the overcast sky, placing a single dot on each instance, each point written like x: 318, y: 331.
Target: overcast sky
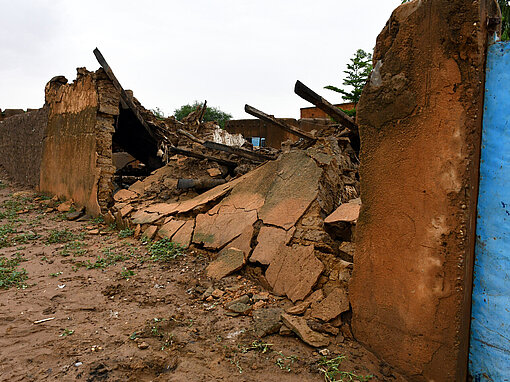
x: 170, y: 53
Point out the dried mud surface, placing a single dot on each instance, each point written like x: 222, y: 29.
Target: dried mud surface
x: 135, y: 319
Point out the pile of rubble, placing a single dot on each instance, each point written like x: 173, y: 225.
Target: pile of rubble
x: 292, y: 217
x: 289, y: 213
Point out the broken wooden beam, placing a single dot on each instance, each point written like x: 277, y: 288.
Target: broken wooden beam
x: 239, y: 151
x: 202, y: 112
x: 190, y: 136
x: 282, y: 125
x: 334, y: 112
x: 123, y: 95
x: 193, y: 154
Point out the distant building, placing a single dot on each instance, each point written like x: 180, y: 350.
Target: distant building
x: 313, y: 112
x: 261, y: 134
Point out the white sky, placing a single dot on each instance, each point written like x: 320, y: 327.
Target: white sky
x: 170, y: 53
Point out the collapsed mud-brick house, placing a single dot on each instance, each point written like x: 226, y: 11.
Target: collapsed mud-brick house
x: 292, y: 215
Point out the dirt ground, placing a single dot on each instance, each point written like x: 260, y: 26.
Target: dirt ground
x: 113, y: 313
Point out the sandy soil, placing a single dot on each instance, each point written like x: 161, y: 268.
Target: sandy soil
x: 114, y: 314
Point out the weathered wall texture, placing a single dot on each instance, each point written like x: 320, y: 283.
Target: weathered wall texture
x: 420, y: 123
x: 77, y: 152
x: 21, y: 140
x: 7, y: 113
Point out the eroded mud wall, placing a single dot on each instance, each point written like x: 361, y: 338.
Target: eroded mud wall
x: 420, y: 123
x: 21, y: 139
x: 77, y: 153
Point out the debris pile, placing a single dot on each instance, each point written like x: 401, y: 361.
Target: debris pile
x: 287, y: 215
x: 283, y: 217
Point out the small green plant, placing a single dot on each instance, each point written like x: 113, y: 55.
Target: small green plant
x: 330, y: 368
x: 98, y: 220
x: 257, y: 345
x: 24, y: 238
x: 62, y: 236
x: 66, y: 332
x: 56, y: 274
x: 74, y: 248
x: 235, y: 361
x: 127, y: 273
x: 10, y: 275
x: 285, y: 362
x: 158, y: 113
x: 169, y: 342
x: 134, y: 336
x: 127, y: 232
x: 164, y: 250
x: 5, y: 231
x: 110, y: 258
x: 11, y: 208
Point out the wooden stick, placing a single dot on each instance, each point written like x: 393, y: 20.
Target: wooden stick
x: 338, y: 115
x: 193, y: 154
x: 44, y: 320
x: 123, y: 95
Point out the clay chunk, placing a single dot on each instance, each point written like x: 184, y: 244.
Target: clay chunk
x: 229, y: 261
x: 332, y: 306
x: 299, y: 326
x: 294, y: 271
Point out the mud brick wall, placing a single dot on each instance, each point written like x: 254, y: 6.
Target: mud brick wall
x: 420, y: 124
x: 77, y: 155
x: 21, y: 140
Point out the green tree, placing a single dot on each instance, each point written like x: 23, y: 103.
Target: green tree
x: 357, y: 75
x: 505, y: 22
x: 211, y: 113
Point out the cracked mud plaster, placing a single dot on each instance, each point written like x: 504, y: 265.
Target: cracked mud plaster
x: 420, y: 123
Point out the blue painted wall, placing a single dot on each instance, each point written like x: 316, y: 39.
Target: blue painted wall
x: 489, y: 358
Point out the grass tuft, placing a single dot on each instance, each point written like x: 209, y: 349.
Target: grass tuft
x: 10, y: 275
x: 164, y: 250
x: 330, y: 368
x: 62, y: 236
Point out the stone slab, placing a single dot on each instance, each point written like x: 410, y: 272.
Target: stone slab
x: 126, y: 210
x: 269, y: 241
x: 124, y: 195
x: 229, y: 261
x: 168, y: 229
x: 184, y: 234
x: 150, y: 232
x: 142, y: 217
x: 294, y: 272
x: 347, y: 212
x: 218, y: 230
x: 267, y: 321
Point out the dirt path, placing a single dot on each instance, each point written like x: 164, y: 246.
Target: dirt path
x: 113, y: 313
